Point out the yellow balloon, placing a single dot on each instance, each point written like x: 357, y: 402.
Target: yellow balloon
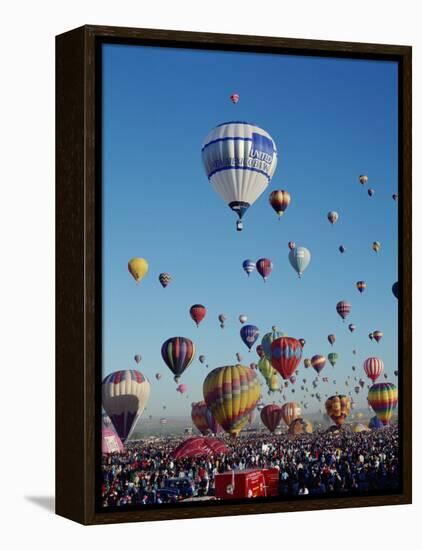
x: 138, y: 268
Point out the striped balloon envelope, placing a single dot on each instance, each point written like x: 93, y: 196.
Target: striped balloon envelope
x: 199, y: 416
x: 343, y: 309
x: 264, y: 267
x: 290, y: 411
x: 248, y: 266
x: 279, y: 200
x: 271, y: 416
x: 231, y: 393
x: 239, y: 159
x: 178, y: 353
x: 383, y: 399
x: 373, y: 367
x: 286, y: 354
x: 268, y: 339
x: 164, y: 279
x: 125, y: 394
x: 318, y: 362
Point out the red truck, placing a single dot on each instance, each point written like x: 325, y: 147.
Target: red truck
x: 247, y: 483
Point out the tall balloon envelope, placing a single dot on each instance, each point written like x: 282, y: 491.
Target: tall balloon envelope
x: 279, y: 200
x: 383, y: 399
x: 231, y: 393
x: 239, y: 159
x: 138, y: 268
x: 290, y: 411
x: 286, y: 354
x: 373, y: 367
x: 197, y: 312
x: 125, y: 394
x: 264, y: 267
x: 199, y: 418
x: 248, y: 266
x: 249, y: 335
x: 343, y: 309
x: 178, y: 354
x: 299, y: 259
x: 271, y: 416
x: 338, y: 408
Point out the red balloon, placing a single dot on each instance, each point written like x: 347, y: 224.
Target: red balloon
x: 286, y: 354
x: 271, y: 416
x: 197, y: 312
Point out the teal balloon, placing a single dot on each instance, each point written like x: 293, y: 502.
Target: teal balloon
x: 299, y: 259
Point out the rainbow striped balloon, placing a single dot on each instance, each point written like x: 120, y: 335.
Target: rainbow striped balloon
x: 383, y: 399
x: 231, y: 393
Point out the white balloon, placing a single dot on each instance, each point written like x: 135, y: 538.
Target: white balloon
x: 239, y: 159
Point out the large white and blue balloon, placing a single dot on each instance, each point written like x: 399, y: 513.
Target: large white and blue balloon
x: 239, y: 159
x: 299, y: 258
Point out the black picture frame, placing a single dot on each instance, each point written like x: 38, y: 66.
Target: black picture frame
x: 78, y: 257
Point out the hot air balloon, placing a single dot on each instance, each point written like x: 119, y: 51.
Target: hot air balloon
x: 243, y: 318
x: 352, y: 327
x: 361, y: 285
x: 234, y: 98
x: 125, y: 394
x: 181, y: 388
x: 332, y: 358
x: 239, y: 159
x: 264, y: 267
x: 260, y: 351
x: 376, y: 245
x: 268, y: 339
x: 222, y: 318
x: 271, y: 417
x: 110, y: 441
x: 249, y: 335
x: 289, y: 412
x: 338, y: 408
x: 307, y: 363
x: 265, y: 368
x: 300, y: 426
x: 231, y: 393
x: 373, y: 367
x: 395, y: 289
x: 213, y: 425
x: 377, y: 334
x: 395, y: 196
x: 164, y: 279
x: 272, y: 383
x: 138, y: 268
x: 332, y: 217
x: 357, y: 389
x: 342, y: 249
x: 158, y: 376
x: 178, y: 353
x: 343, y: 309
x: 138, y: 359
x: 286, y: 354
x: 279, y: 200
x: 299, y: 259
x: 331, y: 338
x: 292, y: 245
x: 248, y: 266
x: 370, y: 336
x: 302, y: 342
x: 371, y: 192
x: 199, y: 418
x: 239, y: 357
x: 202, y: 358
x: 318, y: 363
x: 375, y: 423
x: 197, y: 312
x: 383, y: 399
x: 363, y: 179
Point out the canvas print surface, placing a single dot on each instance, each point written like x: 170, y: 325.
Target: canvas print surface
x: 249, y: 277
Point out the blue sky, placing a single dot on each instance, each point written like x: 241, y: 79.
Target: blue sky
x: 331, y: 119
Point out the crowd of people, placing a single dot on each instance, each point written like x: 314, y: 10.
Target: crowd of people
x: 322, y: 463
